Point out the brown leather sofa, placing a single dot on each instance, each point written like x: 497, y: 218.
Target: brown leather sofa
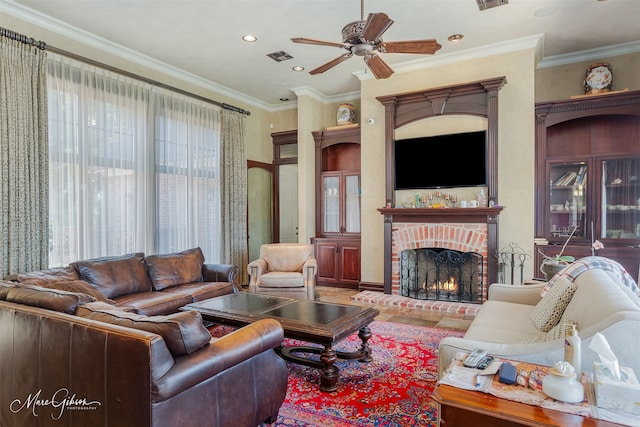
x: 67, y: 359
x: 151, y: 285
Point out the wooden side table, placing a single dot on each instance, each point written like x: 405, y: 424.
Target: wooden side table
x: 460, y: 407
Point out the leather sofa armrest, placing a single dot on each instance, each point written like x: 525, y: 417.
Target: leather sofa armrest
x: 220, y: 273
x: 520, y: 294
x: 221, y: 354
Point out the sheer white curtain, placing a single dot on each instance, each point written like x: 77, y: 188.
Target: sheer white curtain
x: 187, y: 147
x: 126, y: 166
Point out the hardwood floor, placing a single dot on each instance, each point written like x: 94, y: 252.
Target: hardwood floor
x: 398, y: 314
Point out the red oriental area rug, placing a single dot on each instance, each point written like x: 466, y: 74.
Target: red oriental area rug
x: 393, y: 390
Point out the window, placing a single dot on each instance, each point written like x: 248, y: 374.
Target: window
x: 131, y: 168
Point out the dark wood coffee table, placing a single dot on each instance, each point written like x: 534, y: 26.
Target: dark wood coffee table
x: 310, y: 321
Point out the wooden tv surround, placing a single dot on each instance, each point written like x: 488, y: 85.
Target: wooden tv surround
x: 476, y: 99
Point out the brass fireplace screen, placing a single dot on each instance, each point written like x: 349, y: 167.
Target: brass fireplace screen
x: 441, y: 275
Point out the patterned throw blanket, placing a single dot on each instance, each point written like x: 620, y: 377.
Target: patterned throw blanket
x: 581, y: 265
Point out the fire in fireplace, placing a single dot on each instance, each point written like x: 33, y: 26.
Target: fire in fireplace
x: 441, y: 274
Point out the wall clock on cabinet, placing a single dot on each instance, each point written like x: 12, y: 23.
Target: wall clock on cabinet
x: 598, y: 78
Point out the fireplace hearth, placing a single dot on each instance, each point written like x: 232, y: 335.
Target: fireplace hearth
x: 442, y: 274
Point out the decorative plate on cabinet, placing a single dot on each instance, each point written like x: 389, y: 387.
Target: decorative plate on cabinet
x: 598, y: 78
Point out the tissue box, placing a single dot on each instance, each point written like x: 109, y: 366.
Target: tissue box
x: 623, y: 395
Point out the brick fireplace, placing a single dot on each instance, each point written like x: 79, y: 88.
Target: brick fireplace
x: 462, y: 237
x: 460, y: 229
x: 463, y: 229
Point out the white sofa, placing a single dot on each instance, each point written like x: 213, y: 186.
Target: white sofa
x: 602, y: 302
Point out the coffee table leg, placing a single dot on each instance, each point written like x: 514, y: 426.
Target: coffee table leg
x: 365, y: 350
x: 330, y: 373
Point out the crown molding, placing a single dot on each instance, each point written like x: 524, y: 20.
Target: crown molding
x: 531, y: 42
x: 320, y: 97
x: 591, y: 54
x: 46, y: 22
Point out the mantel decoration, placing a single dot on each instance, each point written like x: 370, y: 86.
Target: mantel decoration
x: 346, y: 114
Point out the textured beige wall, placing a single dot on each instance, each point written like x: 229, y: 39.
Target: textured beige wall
x: 310, y: 118
x: 565, y: 81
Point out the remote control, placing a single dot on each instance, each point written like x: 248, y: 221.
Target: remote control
x: 474, y: 358
x: 485, y: 362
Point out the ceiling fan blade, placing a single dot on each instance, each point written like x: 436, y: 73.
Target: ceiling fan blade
x: 410, y: 46
x: 376, y: 25
x: 331, y: 64
x: 378, y: 67
x: 319, y: 42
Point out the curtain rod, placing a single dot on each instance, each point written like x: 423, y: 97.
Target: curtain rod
x: 42, y: 45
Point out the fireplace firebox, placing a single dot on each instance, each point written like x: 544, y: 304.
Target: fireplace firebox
x: 442, y: 275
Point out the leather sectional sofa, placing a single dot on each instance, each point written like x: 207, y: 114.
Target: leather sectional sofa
x: 151, y: 285
x: 100, y: 343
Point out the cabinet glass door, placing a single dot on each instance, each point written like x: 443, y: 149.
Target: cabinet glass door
x: 352, y: 204
x: 331, y: 201
x: 568, y: 200
x: 620, y: 199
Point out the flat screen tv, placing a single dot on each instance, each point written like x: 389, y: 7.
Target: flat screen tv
x: 442, y: 161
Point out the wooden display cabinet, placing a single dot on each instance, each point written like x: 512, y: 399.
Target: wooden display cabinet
x: 337, y: 240
x: 588, y: 177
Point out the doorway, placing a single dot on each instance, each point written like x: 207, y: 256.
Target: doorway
x: 285, y: 181
x: 259, y: 207
x: 288, y: 203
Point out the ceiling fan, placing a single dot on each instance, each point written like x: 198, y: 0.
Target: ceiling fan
x: 363, y: 38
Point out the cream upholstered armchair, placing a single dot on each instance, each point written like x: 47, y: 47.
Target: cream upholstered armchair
x: 284, y: 269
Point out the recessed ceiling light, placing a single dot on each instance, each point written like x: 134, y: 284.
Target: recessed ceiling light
x: 249, y: 38
x: 455, y: 37
x: 298, y: 68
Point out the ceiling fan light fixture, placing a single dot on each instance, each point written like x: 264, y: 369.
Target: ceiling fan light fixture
x: 362, y: 49
x: 455, y: 38
x: 249, y: 38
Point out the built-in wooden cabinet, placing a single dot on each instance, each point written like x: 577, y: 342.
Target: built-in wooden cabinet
x: 337, y: 240
x: 338, y: 261
x: 588, y: 177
